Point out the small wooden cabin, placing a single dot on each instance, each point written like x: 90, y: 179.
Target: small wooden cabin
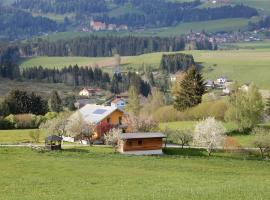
x: 141, y: 143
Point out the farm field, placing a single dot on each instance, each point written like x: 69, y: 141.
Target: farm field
x: 43, y: 89
x: 240, y: 65
x: 99, y: 173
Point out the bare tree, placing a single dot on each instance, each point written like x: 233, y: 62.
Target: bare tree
x: 209, y: 133
x: 77, y: 127
x: 56, y: 125
x: 181, y: 137
x: 112, y: 137
x: 262, y: 141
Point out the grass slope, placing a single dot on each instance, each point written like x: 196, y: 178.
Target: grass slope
x: 240, y: 65
x: 98, y: 173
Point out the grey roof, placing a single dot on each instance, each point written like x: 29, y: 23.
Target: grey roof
x: 125, y: 136
x: 53, y: 138
x: 92, y: 113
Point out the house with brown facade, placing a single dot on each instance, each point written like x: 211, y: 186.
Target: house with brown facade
x: 103, y: 117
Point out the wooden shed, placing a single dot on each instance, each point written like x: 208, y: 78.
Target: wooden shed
x: 141, y: 143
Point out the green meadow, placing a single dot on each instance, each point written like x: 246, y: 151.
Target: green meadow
x: 99, y: 173
x: 244, y: 139
x: 243, y: 65
x: 18, y: 136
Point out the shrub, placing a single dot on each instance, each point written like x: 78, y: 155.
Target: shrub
x: 5, y: 124
x: 24, y: 121
x: 169, y: 114
x: 50, y: 115
x: 262, y: 141
x: 35, y: 135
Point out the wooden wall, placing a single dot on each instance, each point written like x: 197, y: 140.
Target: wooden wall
x: 141, y: 144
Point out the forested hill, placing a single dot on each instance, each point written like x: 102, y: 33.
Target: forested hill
x: 136, y: 13
x: 99, y: 46
x: 24, y: 19
x: 18, y: 24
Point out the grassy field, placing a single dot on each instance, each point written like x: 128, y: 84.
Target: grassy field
x: 43, y: 89
x: 52, y: 62
x: 240, y: 65
x: 17, y: 136
x: 209, y: 26
x: 98, y: 173
x: 245, y: 140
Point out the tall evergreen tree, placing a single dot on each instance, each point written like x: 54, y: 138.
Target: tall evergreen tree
x: 133, y: 105
x: 191, y: 90
x: 268, y: 107
x: 55, y: 102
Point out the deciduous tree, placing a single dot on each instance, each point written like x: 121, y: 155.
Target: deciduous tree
x: 209, y: 134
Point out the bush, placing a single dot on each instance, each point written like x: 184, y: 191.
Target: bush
x: 50, y: 115
x: 169, y: 114
x: 24, y: 121
x: 35, y: 135
x: 216, y: 109
x: 5, y: 124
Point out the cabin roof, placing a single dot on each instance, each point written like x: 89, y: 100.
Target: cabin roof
x: 94, y: 114
x: 125, y: 136
x: 52, y: 138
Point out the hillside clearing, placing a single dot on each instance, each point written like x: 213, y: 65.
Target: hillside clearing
x: 240, y: 65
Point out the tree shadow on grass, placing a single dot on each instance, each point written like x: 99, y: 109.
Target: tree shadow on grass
x: 76, y: 150
x: 185, y: 152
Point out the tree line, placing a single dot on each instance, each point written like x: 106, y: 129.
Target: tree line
x: 158, y: 15
x: 9, y: 56
x: 122, y: 82
x: 72, y: 75
x: 176, y: 62
x: 97, y: 46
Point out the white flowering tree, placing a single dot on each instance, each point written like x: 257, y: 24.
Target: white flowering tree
x: 209, y: 133
x: 112, y: 137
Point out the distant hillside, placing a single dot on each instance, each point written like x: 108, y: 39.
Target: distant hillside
x: 41, y: 17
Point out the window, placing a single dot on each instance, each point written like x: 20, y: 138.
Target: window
x: 140, y: 142
x: 120, y: 120
x: 108, y: 120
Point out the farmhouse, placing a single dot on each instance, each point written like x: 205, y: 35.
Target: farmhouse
x: 103, y: 117
x: 119, y: 103
x: 141, y: 143
x: 97, y: 26
x: 88, y: 92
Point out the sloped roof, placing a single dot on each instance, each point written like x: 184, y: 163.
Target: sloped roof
x: 53, y: 138
x: 125, y: 136
x: 117, y: 100
x: 94, y: 114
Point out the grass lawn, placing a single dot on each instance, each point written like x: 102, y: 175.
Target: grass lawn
x: 17, y: 136
x: 98, y: 173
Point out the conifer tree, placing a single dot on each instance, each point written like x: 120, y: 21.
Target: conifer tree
x: 55, y: 102
x: 133, y: 105
x: 191, y: 90
x: 268, y: 107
